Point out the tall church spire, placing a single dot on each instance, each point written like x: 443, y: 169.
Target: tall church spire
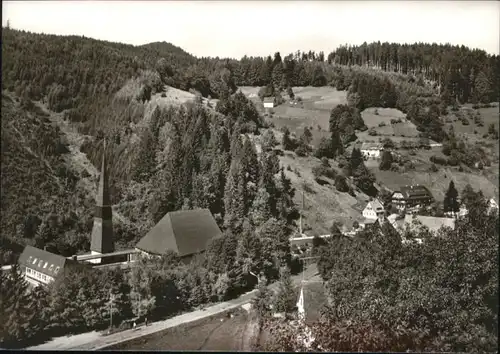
x: 102, y: 231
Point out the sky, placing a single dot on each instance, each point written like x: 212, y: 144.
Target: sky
x: 237, y: 28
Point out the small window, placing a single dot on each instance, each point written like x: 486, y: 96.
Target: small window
x: 40, y: 264
x: 29, y: 259
x: 34, y: 261
x: 57, y: 270
x: 45, y: 265
x: 51, y: 267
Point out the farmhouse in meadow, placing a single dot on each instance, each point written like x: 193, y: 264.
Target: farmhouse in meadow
x: 185, y: 232
x: 372, y: 150
x: 268, y: 102
x: 411, y: 197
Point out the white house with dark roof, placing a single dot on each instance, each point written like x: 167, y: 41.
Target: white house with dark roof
x: 373, y: 209
x: 373, y: 150
x: 492, y: 206
x: 41, y: 267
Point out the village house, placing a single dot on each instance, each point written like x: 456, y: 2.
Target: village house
x: 462, y: 212
x: 41, y: 267
x: 373, y: 209
x: 268, y: 102
x: 410, y: 198
x: 393, y: 220
x: 185, y: 232
x: 372, y: 150
x: 492, y: 206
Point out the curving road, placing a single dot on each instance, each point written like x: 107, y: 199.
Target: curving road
x: 96, y: 341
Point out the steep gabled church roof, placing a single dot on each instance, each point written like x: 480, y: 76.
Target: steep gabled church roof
x: 184, y: 232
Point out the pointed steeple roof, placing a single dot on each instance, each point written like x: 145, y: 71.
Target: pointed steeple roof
x: 102, y: 232
x: 102, y: 197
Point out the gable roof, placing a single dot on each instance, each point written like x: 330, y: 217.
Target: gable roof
x: 268, y: 99
x: 372, y: 146
x: 433, y: 223
x: 185, y: 232
x: 415, y: 191
x: 47, y: 263
x: 376, y: 205
x: 315, y: 299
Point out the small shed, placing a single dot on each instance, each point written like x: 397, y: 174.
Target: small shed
x: 268, y: 102
x: 372, y: 150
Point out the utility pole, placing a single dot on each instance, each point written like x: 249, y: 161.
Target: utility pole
x: 300, y: 215
x: 111, y: 299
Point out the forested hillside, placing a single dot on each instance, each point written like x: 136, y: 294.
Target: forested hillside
x: 165, y: 158
x: 38, y: 189
x: 469, y: 75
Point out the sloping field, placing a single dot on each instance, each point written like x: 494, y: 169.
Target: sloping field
x: 384, y: 116
x: 489, y: 116
x: 219, y: 332
x: 323, y: 98
x: 322, y: 204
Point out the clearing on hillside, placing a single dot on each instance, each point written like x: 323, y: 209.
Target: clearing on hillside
x: 472, y: 130
x: 312, y: 110
x: 381, y: 123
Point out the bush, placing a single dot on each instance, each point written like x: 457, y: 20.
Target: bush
x: 376, y: 112
x: 307, y: 188
x: 163, y: 94
x: 322, y: 170
x: 388, y: 143
x: 341, y: 183
x: 372, y: 132
x: 433, y: 168
x: 438, y: 160
x: 302, y: 150
x: 381, y: 124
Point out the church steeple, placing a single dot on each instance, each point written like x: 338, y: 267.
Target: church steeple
x: 102, y: 232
